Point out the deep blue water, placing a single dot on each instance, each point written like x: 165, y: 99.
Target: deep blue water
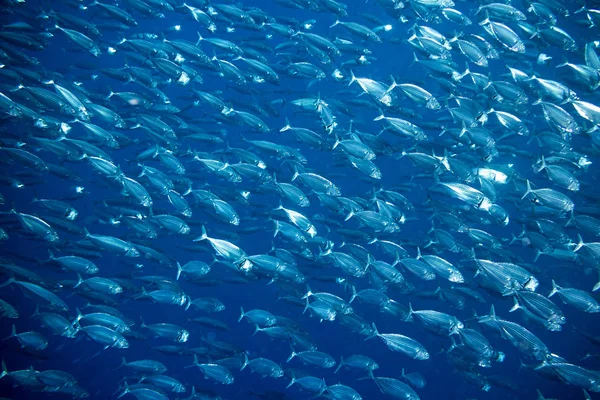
x: 99, y: 375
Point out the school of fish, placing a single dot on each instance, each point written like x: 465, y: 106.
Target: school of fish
x: 420, y: 175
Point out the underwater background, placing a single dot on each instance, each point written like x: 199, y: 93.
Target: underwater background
x: 413, y: 160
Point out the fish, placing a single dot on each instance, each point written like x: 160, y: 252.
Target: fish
x: 29, y: 340
x: 312, y: 357
x: 215, y: 372
x: 403, y: 344
x: 51, y: 299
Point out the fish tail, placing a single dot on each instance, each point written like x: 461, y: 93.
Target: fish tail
x: 353, y: 294
x: 179, y: 269
x: 410, y: 313
x: 291, y: 356
x: 380, y: 117
x: 245, y: 363
x: 256, y: 330
x: 307, y: 306
x: 204, y: 236
x: 339, y: 365
x: 287, y: 126
x: 369, y: 376
x: 516, y: 306
x: 554, y: 290
x: 528, y: 191
x: 4, y: 370
x: 79, y: 281
x: 352, y: 78
x: 8, y: 282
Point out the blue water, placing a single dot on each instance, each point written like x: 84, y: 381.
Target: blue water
x: 99, y: 374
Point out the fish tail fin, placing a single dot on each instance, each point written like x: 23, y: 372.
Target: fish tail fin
x: 597, y: 285
x: 179, y: 269
x: 291, y: 356
x: 410, y: 313
x: 291, y: 382
x: 350, y: 215
x: 337, y: 22
x: 308, y: 292
x: 204, y: 236
x: 452, y: 346
x: 486, y: 20
x: 535, y: 34
x: 336, y: 143
x: 287, y: 126
x: 516, y: 306
x: 123, y: 363
x: 490, y: 317
x: 554, y: 290
x: 380, y: 117
x: 312, y: 83
x: 79, y: 281
x: 579, y: 244
x: 369, y: 376
x: 352, y: 78
x: 296, y: 175
x: 13, y: 333
x: 36, y: 313
x: 245, y: 363
x: 339, y: 365
x: 242, y: 314
x: 375, y: 332
x: 279, y: 207
x: 79, y: 315
x: 353, y: 294
x: 543, y: 163
x: 142, y: 295
x: 392, y: 86
x: 571, y: 220
x: 528, y: 191
x: 415, y: 60
x: 563, y: 64
x: 307, y: 306
x: 193, y: 364
x: 4, y: 370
